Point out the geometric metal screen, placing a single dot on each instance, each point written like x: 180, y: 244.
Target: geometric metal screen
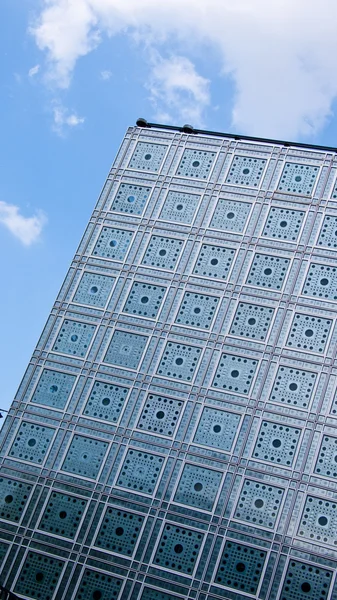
x: 175, y: 433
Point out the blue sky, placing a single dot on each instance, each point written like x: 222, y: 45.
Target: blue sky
x: 76, y: 73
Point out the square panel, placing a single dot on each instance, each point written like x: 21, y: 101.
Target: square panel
x: 74, y: 338
x: 196, y: 163
x: 246, y: 170
x: 277, y: 443
x: 106, y: 401
x: 178, y: 549
x: 119, y: 531
x: 53, y: 388
x: 214, y: 261
x: 268, y: 271
x: 197, y: 310
x: 252, y: 321
x: 98, y: 586
x: 160, y: 414
x: 63, y: 514
x: 230, y: 215
x: 14, y: 496
x: 39, y: 576
x: 113, y: 243
x: 179, y: 207
x: 163, y: 252
x: 217, y: 428
x: 144, y: 300
x: 147, y: 156
x: 235, y: 373
x: 85, y: 456
x: 327, y: 457
x: 179, y: 361
x: 125, y: 349
x: 319, y: 521
x: 293, y: 386
x: 140, y: 471
x: 130, y: 199
x: 306, y: 582
x: 283, y: 224
x: 94, y: 289
x: 321, y: 282
x: 198, y: 486
x: 298, y: 179
x: 328, y: 233
x: 309, y: 333
x: 240, y: 567
x: 32, y: 442
x: 259, y: 503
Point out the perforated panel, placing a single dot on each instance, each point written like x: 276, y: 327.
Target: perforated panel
x: 106, y: 401
x: 98, y: 586
x: 217, y: 428
x: 53, y: 388
x: 179, y: 361
x: 178, y: 549
x: 13, y: 498
x: 297, y: 178
x: 252, y: 321
x: 196, y: 163
x: 125, y: 349
x: 293, y: 386
x: 131, y: 199
x: 32, y: 442
x: 198, y: 487
x: 85, y: 456
x: 309, y: 333
x: 74, y: 338
x: 179, y: 207
x: 259, y: 503
x: 268, y: 271
x: 277, y: 443
x: 321, y: 281
x: 140, y: 471
x: 327, y: 458
x: 63, y: 514
x: 150, y: 594
x: 144, y: 300
x: 246, y: 170
x: 160, y: 414
x: 113, y: 243
x: 328, y: 233
x: 214, y: 261
x: 119, y: 531
x: 163, y: 252
x: 319, y: 521
x: 39, y: 576
x: 241, y: 567
x: 235, y: 373
x: 94, y: 289
x: 283, y: 224
x: 197, y: 310
x: 305, y: 582
x: 147, y: 156
x: 230, y: 215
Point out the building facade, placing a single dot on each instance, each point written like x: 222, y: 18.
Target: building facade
x: 175, y: 433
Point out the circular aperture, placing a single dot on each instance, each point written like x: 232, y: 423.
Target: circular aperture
x: 63, y: 514
x: 240, y: 567
x: 268, y: 271
x: 179, y: 361
x: 283, y: 224
x: 252, y: 321
x: 31, y: 442
x: 144, y: 299
x: 39, y: 577
x: 113, y: 243
x: 97, y: 595
x: 119, y: 531
x: 276, y: 443
x: 197, y: 310
x: 293, y: 387
x: 235, y: 373
x: 246, y: 171
x: 322, y: 521
x: 298, y: 178
x: 147, y: 156
x: 259, y: 503
x: 74, y: 337
x: 214, y: 262
x: 308, y: 333
x: 162, y: 252
x: 160, y: 414
x: 53, y: 389
x: 198, y: 487
x: 131, y: 199
x: 216, y: 428
x: 324, y: 281
x: 106, y: 401
x: 9, y: 499
x: 178, y: 548
x: 195, y: 163
x: 94, y: 289
x: 230, y: 215
x: 179, y: 206
x: 306, y: 587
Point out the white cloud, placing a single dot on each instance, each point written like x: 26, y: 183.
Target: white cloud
x: 175, y: 86
x: 106, y: 75
x: 280, y: 55
x: 63, y: 118
x: 26, y: 229
x: 34, y: 71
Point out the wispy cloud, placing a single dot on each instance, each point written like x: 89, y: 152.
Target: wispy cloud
x: 63, y: 119
x: 25, y: 229
x: 34, y: 71
x: 105, y: 75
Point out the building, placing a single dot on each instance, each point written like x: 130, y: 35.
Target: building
x: 175, y: 434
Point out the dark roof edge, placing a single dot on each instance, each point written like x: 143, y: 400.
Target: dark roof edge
x: 189, y: 129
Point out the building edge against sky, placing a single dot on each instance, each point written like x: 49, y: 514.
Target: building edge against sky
x: 175, y: 433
